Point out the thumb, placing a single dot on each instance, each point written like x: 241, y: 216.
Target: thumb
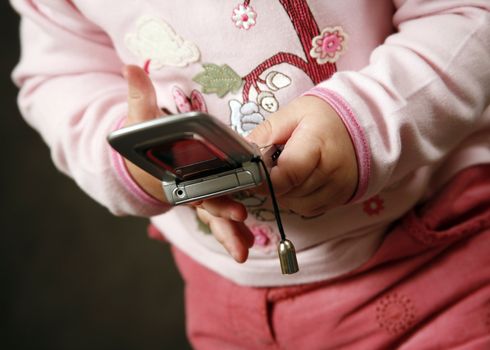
x: 142, y: 101
x: 276, y: 129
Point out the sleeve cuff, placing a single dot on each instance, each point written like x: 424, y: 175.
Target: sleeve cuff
x: 356, y: 134
x: 128, y: 181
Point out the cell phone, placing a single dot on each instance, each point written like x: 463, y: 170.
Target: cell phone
x: 194, y: 155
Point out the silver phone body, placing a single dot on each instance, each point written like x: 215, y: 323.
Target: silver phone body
x: 193, y: 154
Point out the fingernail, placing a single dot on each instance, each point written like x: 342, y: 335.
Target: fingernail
x: 238, y: 258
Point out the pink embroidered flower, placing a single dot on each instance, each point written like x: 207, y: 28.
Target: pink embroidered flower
x: 264, y: 236
x: 329, y: 45
x: 373, y: 206
x: 395, y: 313
x: 244, y: 16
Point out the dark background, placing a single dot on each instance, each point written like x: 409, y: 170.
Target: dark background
x: 72, y: 275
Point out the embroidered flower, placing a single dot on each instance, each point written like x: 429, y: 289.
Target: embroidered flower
x: 265, y: 238
x: 244, y: 16
x: 329, y: 45
x: 244, y: 117
x: 373, y: 206
x: 395, y: 313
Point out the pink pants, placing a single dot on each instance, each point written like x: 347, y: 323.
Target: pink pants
x: 427, y: 287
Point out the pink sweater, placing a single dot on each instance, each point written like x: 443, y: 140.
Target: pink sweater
x: 410, y: 79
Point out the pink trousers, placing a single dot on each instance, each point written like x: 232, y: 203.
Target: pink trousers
x: 427, y: 287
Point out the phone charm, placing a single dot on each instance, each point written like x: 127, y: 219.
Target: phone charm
x: 286, y: 251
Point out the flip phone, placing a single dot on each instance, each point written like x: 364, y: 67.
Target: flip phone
x: 194, y: 155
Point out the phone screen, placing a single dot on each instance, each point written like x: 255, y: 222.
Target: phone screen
x: 188, y: 158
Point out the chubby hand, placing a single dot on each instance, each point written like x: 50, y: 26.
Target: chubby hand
x: 317, y: 169
x: 223, y: 215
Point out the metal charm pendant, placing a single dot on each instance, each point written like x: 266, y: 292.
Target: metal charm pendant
x: 287, y: 257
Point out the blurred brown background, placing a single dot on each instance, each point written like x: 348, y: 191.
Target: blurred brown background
x: 72, y: 275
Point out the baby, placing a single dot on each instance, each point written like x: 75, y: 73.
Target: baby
x: 383, y: 183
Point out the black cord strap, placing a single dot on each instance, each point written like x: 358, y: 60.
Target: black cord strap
x: 277, y: 213
x: 285, y: 249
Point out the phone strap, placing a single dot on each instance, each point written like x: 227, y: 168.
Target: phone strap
x: 286, y: 251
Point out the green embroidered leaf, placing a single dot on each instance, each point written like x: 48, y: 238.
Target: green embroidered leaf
x: 218, y: 80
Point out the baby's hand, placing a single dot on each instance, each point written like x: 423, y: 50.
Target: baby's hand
x: 224, y: 216
x: 317, y: 169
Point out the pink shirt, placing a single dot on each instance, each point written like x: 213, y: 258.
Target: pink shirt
x: 409, y: 79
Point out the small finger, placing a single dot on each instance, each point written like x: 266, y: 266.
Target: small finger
x: 321, y: 200
x: 225, y: 207
x: 312, y: 184
x: 299, y: 159
x: 234, y: 236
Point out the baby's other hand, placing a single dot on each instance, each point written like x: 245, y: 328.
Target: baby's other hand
x: 223, y: 215
x: 225, y: 218
x: 317, y: 170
